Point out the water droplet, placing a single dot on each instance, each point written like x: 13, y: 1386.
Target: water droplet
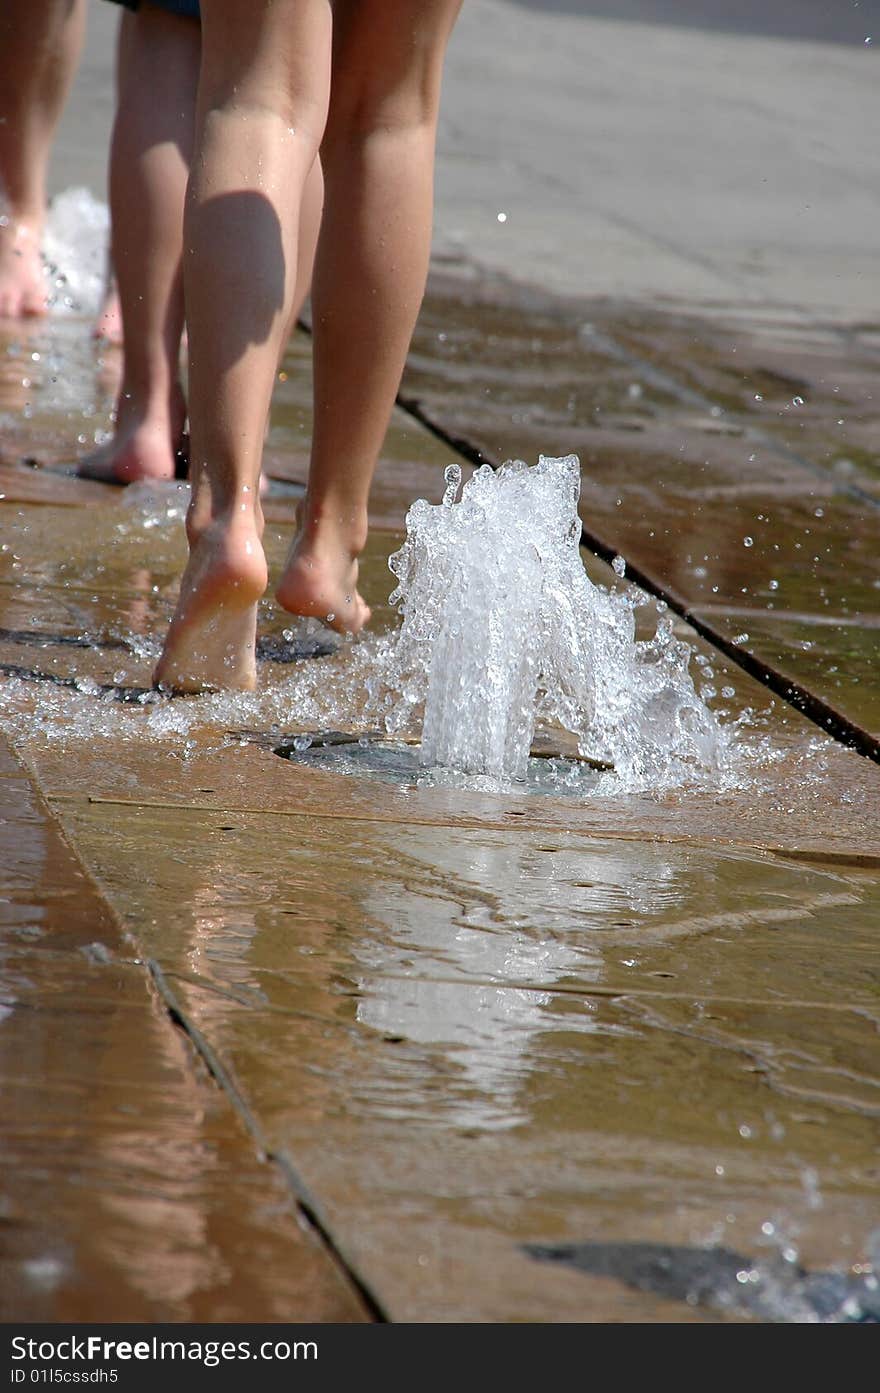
x: 502, y: 217
x: 618, y: 566
x: 819, y: 513
x: 768, y: 1229
x: 330, y: 617
x: 797, y: 401
x: 758, y: 397
x: 745, y: 1131
x: 774, y: 585
x: 748, y: 541
x: 452, y: 476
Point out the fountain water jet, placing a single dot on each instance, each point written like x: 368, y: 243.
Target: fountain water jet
x: 502, y: 627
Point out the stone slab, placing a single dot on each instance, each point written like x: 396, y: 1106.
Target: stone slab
x: 129, y: 1190
x: 470, y: 1039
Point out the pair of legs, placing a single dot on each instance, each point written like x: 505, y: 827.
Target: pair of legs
x: 40, y: 44
x: 359, y: 79
x: 39, y: 49
x: 150, y: 154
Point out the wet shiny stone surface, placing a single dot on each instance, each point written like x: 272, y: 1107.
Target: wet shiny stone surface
x: 480, y: 1024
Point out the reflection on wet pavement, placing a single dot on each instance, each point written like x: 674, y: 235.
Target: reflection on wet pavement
x: 127, y: 1193
x: 430, y: 990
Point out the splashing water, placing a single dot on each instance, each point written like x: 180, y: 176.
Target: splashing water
x: 75, y: 251
x: 503, y: 627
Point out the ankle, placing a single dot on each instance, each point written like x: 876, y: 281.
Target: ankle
x: 329, y: 526
x: 242, y: 514
x: 153, y: 407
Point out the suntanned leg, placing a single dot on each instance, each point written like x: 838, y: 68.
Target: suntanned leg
x: 108, y: 324
x: 40, y: 42
x: 378, y: 157
x: 263, y: 96
x: 149, y: 163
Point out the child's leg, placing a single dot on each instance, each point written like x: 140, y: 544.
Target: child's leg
x: 378, y: 156
x: 263, y: 96
x: 40, y: 41
x: 108, y: 324
x: 149, y: 162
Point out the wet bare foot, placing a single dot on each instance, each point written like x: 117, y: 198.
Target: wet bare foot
x: 108, y: 325
x: 320, y: 582
x: 211, y: 644
x: 143, y: 447
x: 22, y: 279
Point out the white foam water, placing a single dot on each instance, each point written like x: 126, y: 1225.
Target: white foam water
x: 502, y: 627
x: 75, y: 252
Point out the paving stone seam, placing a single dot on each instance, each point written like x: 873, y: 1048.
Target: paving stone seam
x: 858, y: 859
x: 861, y: 1009
x: 306, y: 1204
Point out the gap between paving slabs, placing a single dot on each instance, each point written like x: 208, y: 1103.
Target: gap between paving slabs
x: 306, y: 1202
x: 129, y: 1191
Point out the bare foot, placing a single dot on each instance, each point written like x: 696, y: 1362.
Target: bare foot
x: 22, y: 279
x: 108, y: 325
x: 320, y: 582
x: 211, y: 644
x: 143, y: 446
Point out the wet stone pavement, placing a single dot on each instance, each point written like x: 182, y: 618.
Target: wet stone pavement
x: 280, y: 1038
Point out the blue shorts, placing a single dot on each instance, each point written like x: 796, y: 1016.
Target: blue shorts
x: 187, y: 9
